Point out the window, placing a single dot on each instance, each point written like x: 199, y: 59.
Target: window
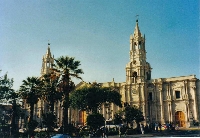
x: 150, y: 96
x: 178, y: 95
x: 139, y: 46
x: 134, y: 74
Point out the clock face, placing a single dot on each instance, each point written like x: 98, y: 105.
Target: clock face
x: 133, y: 91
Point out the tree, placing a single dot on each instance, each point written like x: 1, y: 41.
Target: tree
x: 91, y: 97
x: 67, y: 68
x: 6, y: 85
x: 49, y: 120
x: 133, y: 113
x: 8, y: 94
x: 118, y: 119
x: 128, y: 115
x: 13, y: 97
x: 95, y: 121
x: 30, y: 90
x: 50, y: 91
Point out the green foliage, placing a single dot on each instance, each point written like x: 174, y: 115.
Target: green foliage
x: 86, y: 99
x: 112, y: 132
x: 133, y: 113
x: 131, y: 131
x: 31, y: 90
x: 118, y: 118
x: 67, y: 68
x: 32, y: 124
x: 5, y: 87
x: 50, y: 91
x: 128, y: 115
x: 95, y: 121
x: 49, y: 120
x: 6, y: 92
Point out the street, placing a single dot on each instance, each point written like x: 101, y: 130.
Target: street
x: 189, y: 132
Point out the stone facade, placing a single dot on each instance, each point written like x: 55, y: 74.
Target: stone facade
x: 161, y: 100
x: 175, y: 99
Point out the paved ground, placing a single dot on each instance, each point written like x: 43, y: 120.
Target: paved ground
x: 182, y: 132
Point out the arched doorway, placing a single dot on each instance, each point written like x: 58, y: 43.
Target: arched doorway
x: 180, y: 118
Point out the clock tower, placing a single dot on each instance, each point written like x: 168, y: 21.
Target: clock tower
x: 138, y: 72
x: 47, y: 62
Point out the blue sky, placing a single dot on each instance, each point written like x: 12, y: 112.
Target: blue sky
x: 97, y: 32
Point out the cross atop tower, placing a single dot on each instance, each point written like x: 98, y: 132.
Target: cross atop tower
x: 48, y: 43
x: 137, y: 17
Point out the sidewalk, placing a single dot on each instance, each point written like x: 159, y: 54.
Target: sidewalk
x: 132, y: 136
x: 190, y: 128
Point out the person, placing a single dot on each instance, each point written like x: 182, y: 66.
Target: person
x: 156, y: 126
x: 119, y: 131
x: 142, y: 128
x: 167, y: 124
x: 159, y: 125
x: 177, y: 127
x: 197, y: 123
x: 105, y: 130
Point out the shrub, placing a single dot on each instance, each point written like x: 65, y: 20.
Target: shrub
x: 131, y: 131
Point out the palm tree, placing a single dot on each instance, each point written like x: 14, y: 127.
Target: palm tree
x: 13, y: 97
x: 50, y: 91
x: 30, y: 90
x: 67, y: 68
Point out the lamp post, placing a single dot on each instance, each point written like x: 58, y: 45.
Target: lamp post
x: 109, y: 112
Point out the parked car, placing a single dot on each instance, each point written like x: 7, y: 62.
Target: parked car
x: 84, y: 128
x: 61, y: 136
x: 22, y: 130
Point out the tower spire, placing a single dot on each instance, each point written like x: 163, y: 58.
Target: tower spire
x: 137, y: 69
x: 48, y: 53
x: 137, y: 33
x: 47, y: 62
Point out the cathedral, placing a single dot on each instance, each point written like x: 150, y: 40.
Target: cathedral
x: 163, y: 100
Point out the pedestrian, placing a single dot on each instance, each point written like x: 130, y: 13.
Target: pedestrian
x: 156, y: 127
x: 142, y: 128
x: 198, y: 124
x: 177, y: 128
x: 105, y: 132
x: 119, y: 131
x: 160, y: 126
x: 167, y: 126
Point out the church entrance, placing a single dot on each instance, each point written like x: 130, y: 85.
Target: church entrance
x: 180, y: 119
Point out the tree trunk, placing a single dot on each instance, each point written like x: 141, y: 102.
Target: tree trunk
x: 66, y: 103
x: 52, y: 106
x: 13, y: 125
x: 31, y: 111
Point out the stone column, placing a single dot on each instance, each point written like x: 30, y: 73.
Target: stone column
x: 129, y: 93
x: 195, y: 104
x: 161, y: 107
x: 187, y: 114
x: 169, y: 111
x: 69, y: 115
x: 139, y: 95
x: 155, y: 102
x: 103, y: 111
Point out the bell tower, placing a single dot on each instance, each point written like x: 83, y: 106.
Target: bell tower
x: 47, y: 61
x: 137, y: 70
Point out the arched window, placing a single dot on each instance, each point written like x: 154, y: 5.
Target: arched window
x: 134, y: 77
x: 135, y: 74
x: 139, y: 46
